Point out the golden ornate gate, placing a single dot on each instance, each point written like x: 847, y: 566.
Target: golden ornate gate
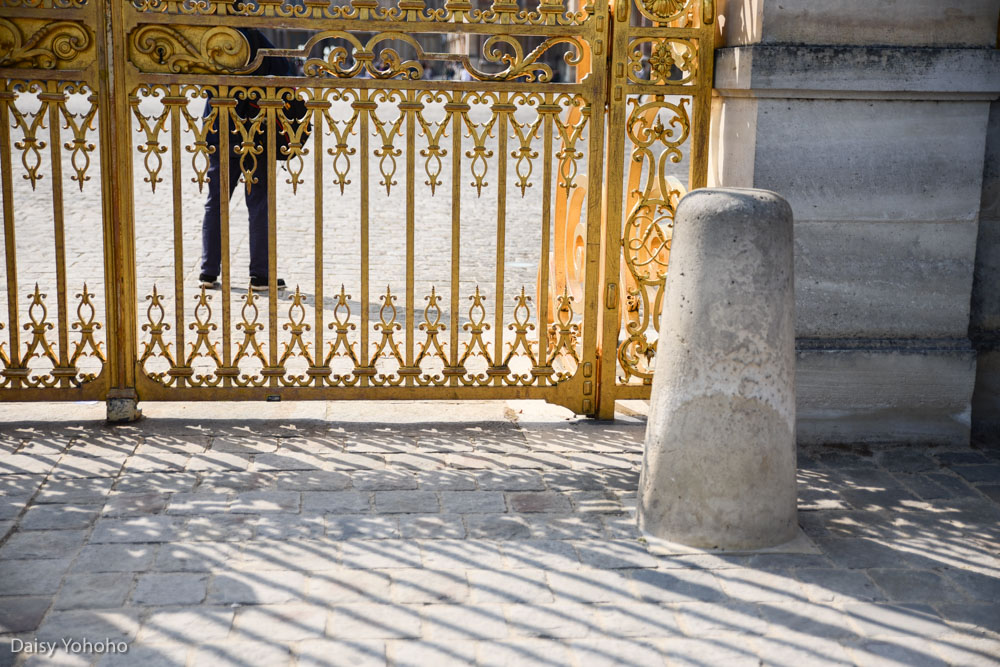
x: 476, y: 204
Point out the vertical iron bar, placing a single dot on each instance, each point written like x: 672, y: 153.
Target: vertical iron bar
x: 411, y: 145
x: 364, y: 99
x: 317, y: 131
x: 224, y: 176
x: 456, y: 224
x: 53, y: 99
x: 499, y: 371
x: 543, y: 290
x: 173, y: 108
x: 10, y: 247
x: 272, y: 234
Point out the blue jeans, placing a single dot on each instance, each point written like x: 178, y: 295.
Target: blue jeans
x: 256, y: 198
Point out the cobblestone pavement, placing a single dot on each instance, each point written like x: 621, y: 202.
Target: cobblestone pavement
x: 323, y: 534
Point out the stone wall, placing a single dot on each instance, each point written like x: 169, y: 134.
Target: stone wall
x: 870, y: 117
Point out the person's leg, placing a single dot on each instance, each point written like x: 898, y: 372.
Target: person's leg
x: 257, y: 208
x: 211, y: 230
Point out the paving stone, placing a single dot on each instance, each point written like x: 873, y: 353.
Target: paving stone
x: 259, y: 587
x: 373, y: 621
x: 205, y: 623
x: 665, y: 586
x: 241, y: 651
x: 298, y: 555
x: 637, y: 619
x: 327, y: 652
x: 313, y: 480
x: 135, y: 504
x: 161, y: 590
x: 508, y: 586
x: 217, y: 461
x: 289, y: 526
x: 95, y: 625
x: 261, y: 502
x: 464, y: 621
x: 198, y: 503
x: 446, y: 480
x: 905, y: 459
x: 343, y: 585
x: 795, y: 649
x: 835, y: 585
x: 115, y: 558
x: 699, y: 651
x: 750, y: 585
x: 43, y: 544
x: 625, y: 652
x: 383, y: 480
x: 589, y: 586
x: 356, y: 526
x: 58, y: 517
x: 377, y: 554
x: 472, y: 502
x: 497, y: 527
x: 94, y: 591
x: 967, y: 650
x: 22, y: 614
x: 811, y: 619
x: 510, y: 480
x: 229, y: 482
x: 20, y: 485
x: 405, y: 502
x: 547, y: 554
x: 966, y: 457
x: 895, y: 620
x: 12, y: 506
x: 431, y: 526
x: 977, y: 474
x: 614, y: 554
x: 975, y: 617
x: 574, y: 480
x: 706, y: 619
x: 148, y: 461
x: 77, y: 491
x: 542, y: 501
x: 176, y: 482
x: 419, y: 653
x: 621, y: 527
x: 913, y: 652
x: 460, y: 554
x: 906, y: 585
x: 26, y: 464
x: 158, y: 655
x: 351, y: 461
x: 72, y: 466
x: 32, y: 577
x: 517, y: 652
x: 622, y: 480
x: 336, y: 502
x: 975, y: 585
x: 783, y: 562
x: 420, y: 586
x: 281, y: 622
x: 195, y: 556
x: 565, y: 527
x: 859, y: 553
x: 241, y: 445
x: 218, y: 527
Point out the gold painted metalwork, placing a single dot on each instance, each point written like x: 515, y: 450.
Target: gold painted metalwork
x: 34, y: 43
x: 542, y: 82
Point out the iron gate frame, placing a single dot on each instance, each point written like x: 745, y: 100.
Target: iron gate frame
x: 678, y: 34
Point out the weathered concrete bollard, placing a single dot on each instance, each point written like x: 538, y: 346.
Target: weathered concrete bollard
x: 719, y: 463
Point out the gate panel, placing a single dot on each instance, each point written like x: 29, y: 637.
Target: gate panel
x: 53, y: 313
x: 661, y: 85
x: 421, y: 222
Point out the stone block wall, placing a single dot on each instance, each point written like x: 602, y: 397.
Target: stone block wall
x: 871, y: 118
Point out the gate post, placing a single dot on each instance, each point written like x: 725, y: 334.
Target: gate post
x: 116, y: 184
x: 718, y: 469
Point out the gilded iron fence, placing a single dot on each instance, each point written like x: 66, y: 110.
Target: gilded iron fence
x: 467, y: 201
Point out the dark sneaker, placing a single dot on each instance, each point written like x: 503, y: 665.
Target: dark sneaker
x: 259, y: 284
x: 208, y: 281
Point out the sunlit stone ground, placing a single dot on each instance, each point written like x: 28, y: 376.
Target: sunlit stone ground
x: 469, y: 533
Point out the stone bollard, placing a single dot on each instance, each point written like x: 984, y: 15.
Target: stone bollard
x: 719, y: 464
